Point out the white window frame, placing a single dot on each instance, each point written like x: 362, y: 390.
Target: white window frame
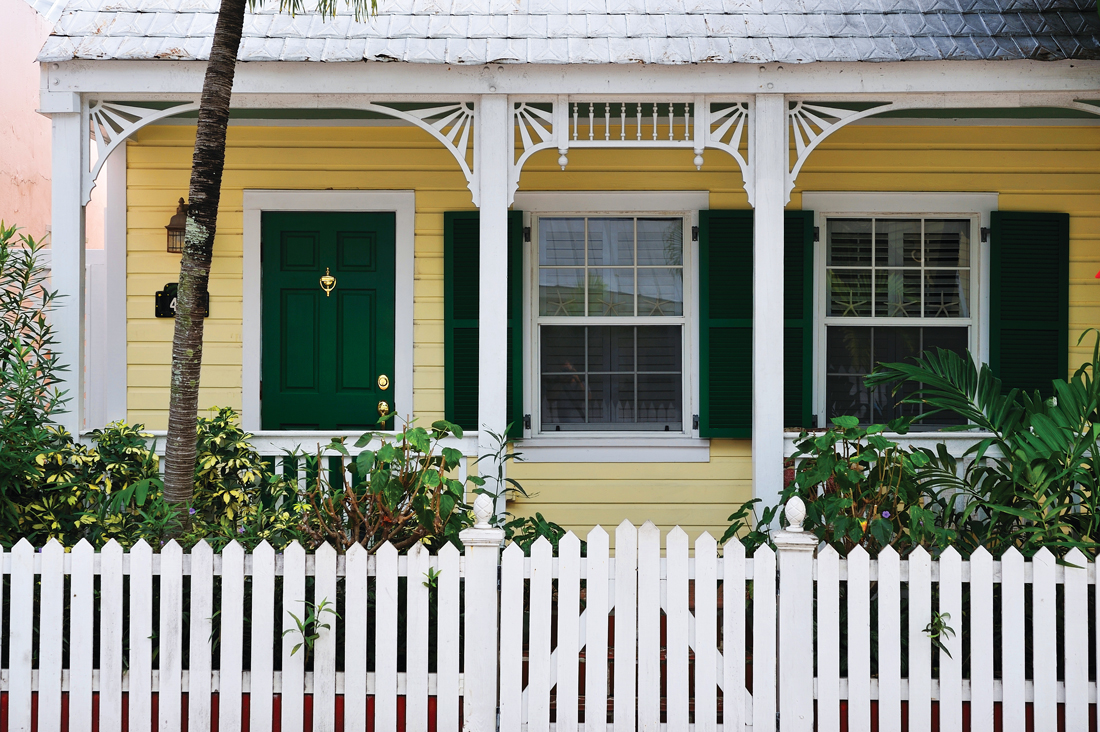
x: 854, y: 204
x: 611, y: 446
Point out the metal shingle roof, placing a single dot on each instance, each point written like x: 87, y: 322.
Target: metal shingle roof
x: 589, y: 31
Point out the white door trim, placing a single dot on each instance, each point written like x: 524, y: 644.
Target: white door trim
x: 403, y: 204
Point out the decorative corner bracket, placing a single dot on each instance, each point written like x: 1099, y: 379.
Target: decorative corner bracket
x: 109, y: 124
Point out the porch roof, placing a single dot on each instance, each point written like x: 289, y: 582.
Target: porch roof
x: 589, y: 31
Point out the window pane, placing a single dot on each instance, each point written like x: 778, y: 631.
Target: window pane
x: 846, y: 396
x: 561, y: 242
x: 561, y: 292
x: 897, y: 243
x: 611, y: 348
x: 659, y: 348
x: 659, y: 401
x: 897, y: 293
x: 848, y: 350
x: 611, y: 291
x: 562, y: 348
x: 661, y: 292
x: 562, y: 400
x: 660, y: 241
x: 850, y: 293
x: 611, y: 399
x: 947, y: 293
x: 849, y: 242
x: 611, y: 241
x: 946, y: 243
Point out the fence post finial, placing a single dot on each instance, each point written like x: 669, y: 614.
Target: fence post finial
x: 795, y: 511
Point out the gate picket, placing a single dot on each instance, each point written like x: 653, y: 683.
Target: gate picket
x: 140, y: 672
x: 981, y: 641
x: 110, y: 637
x: 385, y: 639
x: 951, y: 662
x: 676, y: 634
x: 889, y: 641
x: 199, y: 657
x: 1012, y: 640
x: 291, y: 700
x: 626, y: 623
x: 706, y: 633
x: 170, y: 641
x: 734, y: 691
x: 447, y: 634
x: 511, y: 637
x: 324, y: 660
x: 649, y: 628
x: 50, y: 635
x: 595, y: 656
x: 859, y: 640
x: 1076, y: 652
x: 1044, y: 633
x: 763, y: 638
x: 231, y: 648
x: 81, y: 605
x: 22, y: 633
x: 568, y: 651
x: 356, y: 595
x: 538, y: 664
x: 828, y: 640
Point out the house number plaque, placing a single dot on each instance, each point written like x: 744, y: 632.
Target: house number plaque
x: 166, y: 302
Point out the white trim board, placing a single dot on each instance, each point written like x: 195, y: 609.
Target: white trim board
x: 403, y: 204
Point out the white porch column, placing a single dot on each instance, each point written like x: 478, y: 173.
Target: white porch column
x: 494, y: 148
x: 770, y: 161
x: 67, y: 242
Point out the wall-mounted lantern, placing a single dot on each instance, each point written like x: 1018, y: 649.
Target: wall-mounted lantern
x: 177, y: 228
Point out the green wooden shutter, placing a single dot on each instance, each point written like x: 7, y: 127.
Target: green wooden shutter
x: 461, y: 293
x: 725, y: 336
x: 1029, y: 299
x: 725, y: 323
x: 798, y: 289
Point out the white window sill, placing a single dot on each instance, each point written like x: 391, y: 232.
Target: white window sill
x: 957, y: 442
x: 606, y: 449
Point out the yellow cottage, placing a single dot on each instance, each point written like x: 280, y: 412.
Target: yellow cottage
x: 649, y: 241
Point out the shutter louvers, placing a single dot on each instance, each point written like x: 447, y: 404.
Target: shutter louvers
x: 725, y: 323
x: 798, y: 258
x: 461, y: 294
x: 1029, y: 299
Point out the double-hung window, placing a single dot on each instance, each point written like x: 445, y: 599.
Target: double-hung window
x: 893, y: 287
x: 610, y: 328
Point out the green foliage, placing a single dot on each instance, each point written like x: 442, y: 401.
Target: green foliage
x: 309, y: 628
x: 938, y: 630
x: 1031, y: 483
x: 526, y: 530
x: 402, y: 492
x: 29, y: 373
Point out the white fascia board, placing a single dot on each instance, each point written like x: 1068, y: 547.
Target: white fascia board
x: 311, y: 84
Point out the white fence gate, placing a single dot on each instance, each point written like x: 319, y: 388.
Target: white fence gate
x: 670, y: 640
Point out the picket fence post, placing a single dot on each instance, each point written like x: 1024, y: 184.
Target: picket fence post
x: 795, y: 559
x: 482, y: 543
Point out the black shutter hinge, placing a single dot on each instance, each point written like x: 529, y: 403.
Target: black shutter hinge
x: 261, y: 389
x: 817, y: 233
x: 695, y: 233
x: 985, y: 233
x: 527, y: 233
x: 527, y: 421
x: 695, y: 421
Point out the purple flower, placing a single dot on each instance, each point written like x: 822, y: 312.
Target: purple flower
x: 886, y: 514
x: 240, y: 530
x: 191, y: 511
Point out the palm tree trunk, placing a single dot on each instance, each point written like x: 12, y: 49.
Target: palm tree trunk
x: 204, y: 194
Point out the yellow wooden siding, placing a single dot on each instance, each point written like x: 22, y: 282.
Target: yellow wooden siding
x: 1034, y: 168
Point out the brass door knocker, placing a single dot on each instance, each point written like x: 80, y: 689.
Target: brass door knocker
x: 328, y: 282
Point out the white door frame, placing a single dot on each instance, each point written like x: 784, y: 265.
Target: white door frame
x: 403, y: 204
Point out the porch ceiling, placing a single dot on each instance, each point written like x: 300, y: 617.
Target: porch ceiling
x: 590, y: 31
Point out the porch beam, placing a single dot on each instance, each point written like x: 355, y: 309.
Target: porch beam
x: 770, y: 161
x: 307, y: 88
x: 67, y: 243
x: 493, y: 161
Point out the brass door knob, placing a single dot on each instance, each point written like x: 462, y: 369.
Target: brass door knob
x: 383, y: 382
x: 383, y: 408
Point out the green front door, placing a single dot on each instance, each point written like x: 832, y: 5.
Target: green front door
x: 327, y: 356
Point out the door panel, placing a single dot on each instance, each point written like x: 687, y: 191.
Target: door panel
x: 323, y: 354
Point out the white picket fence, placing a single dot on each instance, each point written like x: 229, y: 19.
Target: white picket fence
x: 642, y: 640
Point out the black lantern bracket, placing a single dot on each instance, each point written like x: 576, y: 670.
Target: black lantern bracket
x: 177, y: 229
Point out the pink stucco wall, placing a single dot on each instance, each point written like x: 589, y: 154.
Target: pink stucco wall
x: 25, y: 134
